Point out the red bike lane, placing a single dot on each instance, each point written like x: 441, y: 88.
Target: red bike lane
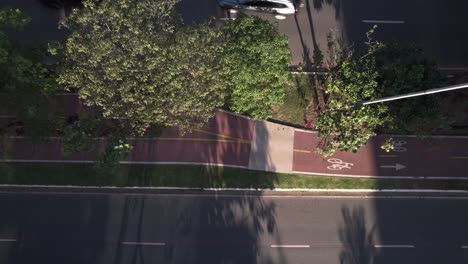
x: 435, y: 157
x: 225, y: 140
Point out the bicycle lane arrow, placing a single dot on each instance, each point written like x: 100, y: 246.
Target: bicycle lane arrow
x: 397, y: 166
x: 435, y: 157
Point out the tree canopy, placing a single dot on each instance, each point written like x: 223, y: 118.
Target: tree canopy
x: 384, y: 69
x: 24, y: 80
x: 137, y: 62
x: 257, y: 56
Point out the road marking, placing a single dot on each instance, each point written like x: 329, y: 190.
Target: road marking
x: 7, y: 240
x: 384, y: 21
x: 307, y: 131
x: 143, y: 243
x: 290, y: 246
x: 459, y: 157
x: 200, y: 139
x: 338, y: 164
x: 396, y: 166
x: 302, y: 151
x: 127, y: 162
x: 464, y: 247
x: 453, y: 68
x: 387, y: 156
x: 240, y: 140
x: 394, y: 246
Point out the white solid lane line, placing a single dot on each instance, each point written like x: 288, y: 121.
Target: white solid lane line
x: 7, y: 240
x: 394, y: 246
x: 384, y: 21
x: 290, y: 246
x: 144, y: 243
x: 464, y: 247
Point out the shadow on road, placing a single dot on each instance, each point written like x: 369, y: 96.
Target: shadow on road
x: 54, y: 229
x: 355, y: 237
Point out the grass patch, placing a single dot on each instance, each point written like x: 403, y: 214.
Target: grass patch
x: 300, y: 100
x: 197, y: 177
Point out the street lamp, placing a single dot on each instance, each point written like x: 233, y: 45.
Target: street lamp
x: 402, y: 96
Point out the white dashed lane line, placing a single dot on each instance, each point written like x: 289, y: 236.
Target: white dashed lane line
x: 7, y: 240
x: 290, y: 246
x: 130, y: 243
x: 394, y: 246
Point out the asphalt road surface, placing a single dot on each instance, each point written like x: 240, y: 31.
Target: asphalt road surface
x: 132, y: 228
x: 439, y: 27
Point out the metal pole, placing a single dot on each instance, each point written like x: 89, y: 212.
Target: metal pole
x: 425, y: 92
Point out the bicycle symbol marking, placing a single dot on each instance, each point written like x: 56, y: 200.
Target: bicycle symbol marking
x: 398, y: 145
x: 338, y: 164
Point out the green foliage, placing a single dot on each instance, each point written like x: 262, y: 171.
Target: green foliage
x: 25, y: 81
x: 117, y: 149
x: 13, y: 18
x: 403, y: 69
x: 257, y: 56
x: 78, y: 136
x: 342, y: 125
x: 137, y: 62
x: 383, y: 70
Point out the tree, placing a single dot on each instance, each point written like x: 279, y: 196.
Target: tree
x: 138, y: 63
x: 404, y: 69
x: 257, y: 56
x: 382, y: 70
x: 341, y: 125
x: 25, y: 81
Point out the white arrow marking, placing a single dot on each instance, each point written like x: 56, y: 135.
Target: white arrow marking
x: 396, y: 167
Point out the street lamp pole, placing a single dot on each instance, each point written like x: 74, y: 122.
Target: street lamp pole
x: 425, y: 92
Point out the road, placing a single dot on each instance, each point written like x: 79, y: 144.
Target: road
x: 134, y: 228
x: 439, y: 27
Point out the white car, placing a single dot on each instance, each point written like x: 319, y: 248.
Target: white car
x: 282, y: 7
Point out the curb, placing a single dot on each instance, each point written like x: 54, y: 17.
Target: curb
x: 239, y: 192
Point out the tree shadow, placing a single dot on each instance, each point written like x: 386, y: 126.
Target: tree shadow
x: 51, y: 228
x: 318, y: 5
x: 356, y: 239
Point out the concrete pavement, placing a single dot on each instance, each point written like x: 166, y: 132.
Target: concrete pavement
x: 135, y: 228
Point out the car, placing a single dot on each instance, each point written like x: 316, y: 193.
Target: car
x: 281, y: 7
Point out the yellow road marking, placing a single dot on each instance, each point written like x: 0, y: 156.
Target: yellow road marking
x: 459, y: 157
x: 387, y: 156
x: 302, y: 151
x: 222, y: 136
x: 202, y: 139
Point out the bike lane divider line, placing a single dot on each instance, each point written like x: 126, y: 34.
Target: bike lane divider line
x: 459, y: 157
x: 199, y: 139
x: 302, y: 151
x: 223, y: 136
x: 388, y: 156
